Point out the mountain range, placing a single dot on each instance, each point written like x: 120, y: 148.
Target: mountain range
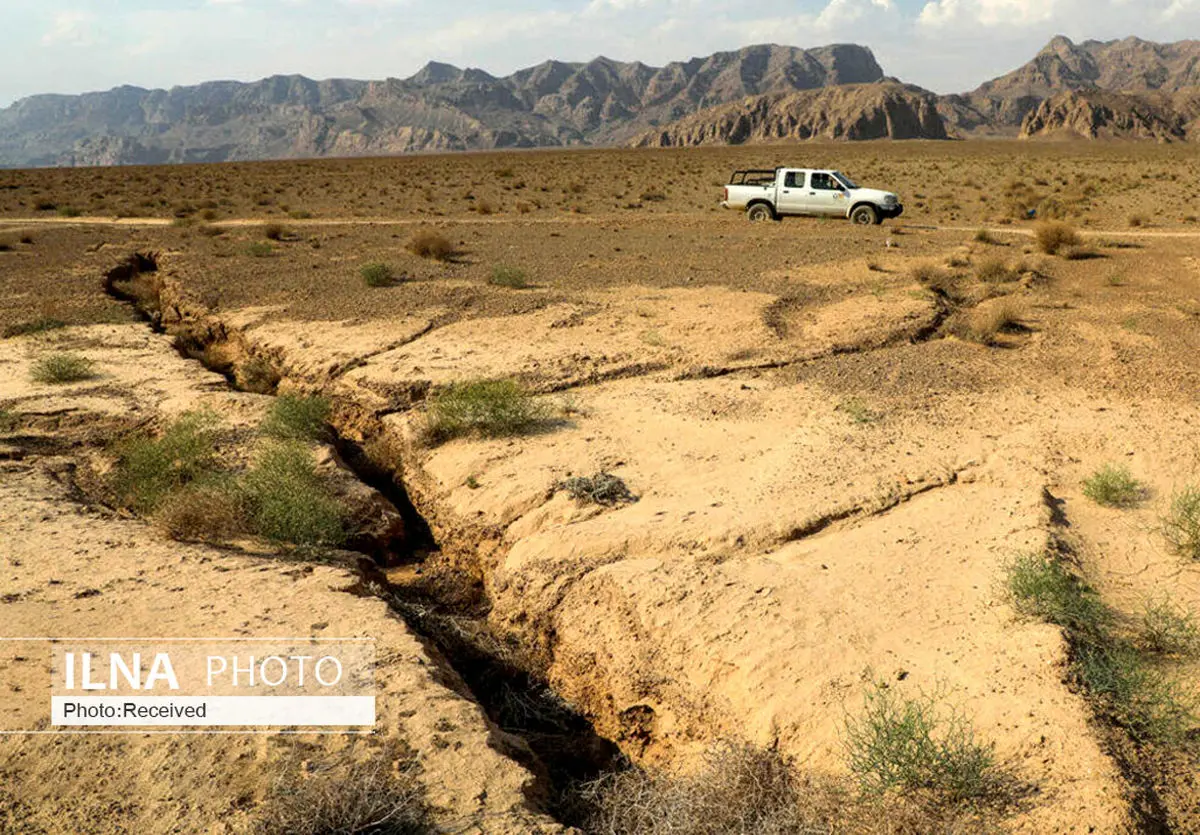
x: 1129, y: 88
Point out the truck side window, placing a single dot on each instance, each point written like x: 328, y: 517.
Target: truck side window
x: 789, y: 180
x: 824, y: 182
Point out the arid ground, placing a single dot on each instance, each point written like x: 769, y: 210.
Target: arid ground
x: 847, y: 454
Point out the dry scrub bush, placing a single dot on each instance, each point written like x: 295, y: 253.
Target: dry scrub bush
x: 938, y: 280
x: 428, y: 244
x: 995, y: 271
x: 1052, y: 236
x: 274, y: 231
x: 377, y: 275
x: 602, y: 489
x: 378, y: 796
x: 740, y: 789
x: 212, y: 511
x: 984, y: 323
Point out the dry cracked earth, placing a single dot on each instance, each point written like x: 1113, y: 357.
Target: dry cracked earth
x: 832, y: 476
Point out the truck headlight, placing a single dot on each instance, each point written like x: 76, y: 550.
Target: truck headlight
x: 890, y: 200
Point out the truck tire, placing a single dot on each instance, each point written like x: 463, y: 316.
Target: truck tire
x: 759, y: 212
x: 865, y: 215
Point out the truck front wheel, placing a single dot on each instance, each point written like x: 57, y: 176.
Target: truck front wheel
x: 864, y: 216
x: 759, y: 212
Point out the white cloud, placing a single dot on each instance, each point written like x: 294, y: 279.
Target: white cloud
x: 72, y: 28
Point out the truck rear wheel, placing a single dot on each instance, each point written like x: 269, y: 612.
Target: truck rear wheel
x: 865, y: 216
x: 759, y: 212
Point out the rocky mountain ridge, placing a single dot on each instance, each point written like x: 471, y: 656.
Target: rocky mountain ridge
x: 767, y: 93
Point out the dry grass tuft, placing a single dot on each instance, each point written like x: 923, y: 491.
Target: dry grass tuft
x: 985, y: 323
x: 429, y: 244
x: 1052, y: 236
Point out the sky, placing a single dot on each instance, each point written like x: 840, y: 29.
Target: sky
x: 73, y: 46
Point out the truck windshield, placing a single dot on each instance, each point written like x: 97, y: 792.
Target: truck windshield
x: 846, y: 181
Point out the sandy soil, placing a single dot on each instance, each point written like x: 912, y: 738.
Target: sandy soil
x: 830, y: 484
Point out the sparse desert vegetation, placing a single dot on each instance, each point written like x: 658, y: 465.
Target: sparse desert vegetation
x: 678, y: 497
x: 63, y: 367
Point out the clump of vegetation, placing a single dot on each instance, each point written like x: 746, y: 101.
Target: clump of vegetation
x: 1080, y: 253
x: 938, y: 280
x: 212, y: 509
x: 377, y: 275
x: 740, y: 788
x: 918, y: 744
x: 995, y: 271
x: 984, y: 323
x: 260, y: 249
x: 62, y: 367
x: 68, y: 211
x: 297, y: 417
x: 1136, y: 220
x: 274, y: 231
x: 1040, y: 586
x: 1124, y: 687
x: 983, y: 236
x: 258, y: 375
x: 429, y: 244
x: 39, y: 325
x: 1052, y: 236
x: 148, y: 469
x: 376, y: 796
x: 652, y: 196
x: 1169, y: 628
x: 602, y: 489
x: 490, y: 408
x: 858, y: 411
x: 288, y: 501
x: 1134, y: 694
x: 512, y: 277
x: 1181, y: 523
x: 1113, y: 485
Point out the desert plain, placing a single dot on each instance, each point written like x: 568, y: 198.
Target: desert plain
x: 769, y: 486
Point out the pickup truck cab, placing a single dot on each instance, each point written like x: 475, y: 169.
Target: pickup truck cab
x: 772, y: 195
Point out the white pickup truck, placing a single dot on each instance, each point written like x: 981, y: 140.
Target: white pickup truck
x: 772, y: 195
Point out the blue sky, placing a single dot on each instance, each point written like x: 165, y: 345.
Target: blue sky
x: 71, y: 46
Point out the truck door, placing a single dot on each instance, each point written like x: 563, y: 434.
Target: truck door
x: 790, y: 193
x: 824, y: 195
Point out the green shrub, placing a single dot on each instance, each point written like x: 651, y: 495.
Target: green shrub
x: 1181, y: 524
x: 490, y: 408
x: 297, y: 417
x: 1040, y: 586
x: 287, y: 499
x: 62, y: 367
x: 69, y: 211
x: 40, y: 325
x: 1137, y: 696
x: 377, y: 275
x: 514, y: 277
x: 899, y: 744
x: 1169, y: 629
x: 260, y: 249
x: 1113, y: 486
x: 149, y: 469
